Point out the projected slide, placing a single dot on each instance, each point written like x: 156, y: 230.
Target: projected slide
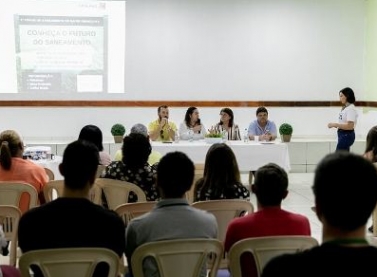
x: 63, y: 46
x: 61, y: 53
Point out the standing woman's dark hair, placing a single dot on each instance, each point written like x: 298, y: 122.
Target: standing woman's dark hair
x: 229, y: 112
x: 10, y: 146
x: 371, y: 145
x: 221, y: 177
x: 188, y: 114
x: 349, y: 94
x: 92, y: 134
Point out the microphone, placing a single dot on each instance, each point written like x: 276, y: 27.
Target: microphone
x: 198, y: 122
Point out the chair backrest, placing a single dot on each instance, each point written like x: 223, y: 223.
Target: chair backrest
x: 10, y: 193
x: 100, y: 169
x: 50, y: 174
x: 58, y: 187
x: 117, y: 192
x: 199, y: 170
x: 10, y: 217
x: 263, y: 249
x: 224, y: 211
x: 73, y: 262
x: 129, y: 211
x: 181, y: 257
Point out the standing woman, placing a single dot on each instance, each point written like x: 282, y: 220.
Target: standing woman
x: 192, y: 127
x: 347, y: 120
x: 227, y: 125
x: 221, y: 177
x: 14, y: 168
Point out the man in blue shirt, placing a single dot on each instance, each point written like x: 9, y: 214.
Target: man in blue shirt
x: 262, y: 127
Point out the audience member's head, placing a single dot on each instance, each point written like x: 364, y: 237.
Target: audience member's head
x: 345, y: 190
x: 226, y: 117
x: 93, y: 134
x: 220, y: 170
x: 10, y: 146
x: 139, y: 129
x: 175, y: 174
x: 79, y: 165
x: 349, y: 94
x: 163, y: 112
x: 371, y: 144
x: 270, y: 185
x: 136, y: 149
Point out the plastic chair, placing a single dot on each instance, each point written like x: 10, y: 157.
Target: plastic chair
x: 58, y: 187
x: 10, y: 193
x: 225, y: 211
x: 117, y: 192
x: 50, y: 174
x: 263, y: 249
x: 100, y: 169
x: 10, y: 216
x: 199, y: 170
x: 72, y: 262
x: 129, y: 211
x: 181, y: 257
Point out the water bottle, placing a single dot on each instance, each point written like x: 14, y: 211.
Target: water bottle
x: 245, y: 136
x: 176, y: 137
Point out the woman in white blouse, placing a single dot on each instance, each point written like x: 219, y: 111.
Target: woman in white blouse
x: 192, y: 128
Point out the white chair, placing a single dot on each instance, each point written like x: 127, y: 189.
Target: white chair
x: 117, y: 192
x: 10, y: 216
x: 225, y: 211
x: 129, y: 211
x: 10, y: 193
x: 180, y: 257
x: 50, y: 174
x: 199, y: 170
x: 58, y: 187
x: 263, y: 249
x: 72, y: 262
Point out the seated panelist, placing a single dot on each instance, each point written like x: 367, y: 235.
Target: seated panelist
x: 162, y: 129
x: 192, y: 128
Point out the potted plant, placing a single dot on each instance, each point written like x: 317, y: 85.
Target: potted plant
x: 213, y: 137
x: 118, y: 131
x: 285, y: 131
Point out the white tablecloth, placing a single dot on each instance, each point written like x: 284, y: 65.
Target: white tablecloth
x: 250, y: 156
x: 53, y: 165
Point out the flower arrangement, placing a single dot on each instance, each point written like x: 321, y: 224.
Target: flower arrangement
x: 212, y: 133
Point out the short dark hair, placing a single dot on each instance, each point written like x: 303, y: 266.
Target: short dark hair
x: 371, y: 143
x: 349, y: 94
x: 80, y: 163
x: 261, y: 110
x: 162, y: 107
x: 93, y: 134
x: 175, y: 174
x: 345, y: 190
x: 271, y: 184
x: 136, y: 150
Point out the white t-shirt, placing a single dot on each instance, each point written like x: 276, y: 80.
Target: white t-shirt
x: 349, y: 113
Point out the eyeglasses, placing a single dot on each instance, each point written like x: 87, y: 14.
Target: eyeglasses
x: 162, y: 134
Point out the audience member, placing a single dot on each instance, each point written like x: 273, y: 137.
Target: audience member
x: 14, y: 168
x: 221, y: 177
x: 192, y: 127
x: 162, y: 129
x: 94, y: 134
x: 72, y: 220
x: 173, y: 217
x: 227, y: 125
x: 344, y: 203
x: 347, y: 120
x: 270, y: 188
x: 154, y: 156
x: 134, y: 167
x: 262, y: 127
x: 370, y: 152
